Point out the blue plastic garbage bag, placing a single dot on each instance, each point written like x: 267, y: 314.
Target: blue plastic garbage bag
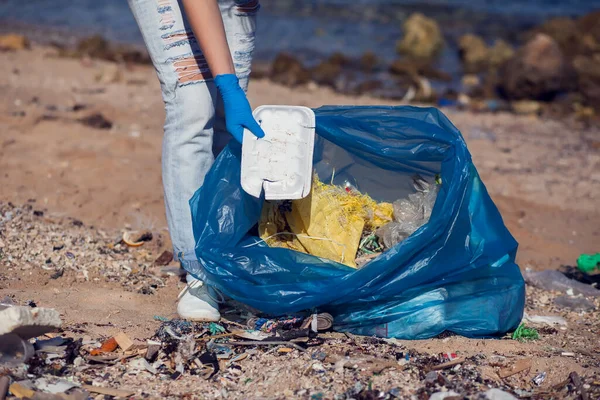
x: 456, y: 273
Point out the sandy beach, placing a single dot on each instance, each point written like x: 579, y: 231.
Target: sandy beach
x: 543, y: 174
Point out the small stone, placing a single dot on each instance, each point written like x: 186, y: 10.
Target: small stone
x: 497, y: 394
x: 431, y: 377
x: 443, y: 395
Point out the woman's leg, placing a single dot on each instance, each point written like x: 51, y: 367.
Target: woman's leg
x: 193, y: 132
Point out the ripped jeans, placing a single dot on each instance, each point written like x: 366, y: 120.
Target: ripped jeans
x: 194, y: 129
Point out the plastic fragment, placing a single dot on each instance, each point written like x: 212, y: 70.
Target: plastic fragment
x: 523, y: 333
x: 556, y: 280
x: 539, y: 378
x: 588, y: 262
x: 574, y: 303
x: 545, y: 319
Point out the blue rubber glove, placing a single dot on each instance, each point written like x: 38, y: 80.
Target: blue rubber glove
x: 238, y: 114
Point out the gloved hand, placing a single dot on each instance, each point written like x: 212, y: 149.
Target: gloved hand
x: 238, y: 114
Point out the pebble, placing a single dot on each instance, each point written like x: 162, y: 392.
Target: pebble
x: 497, y: 394
x: 443, y: 395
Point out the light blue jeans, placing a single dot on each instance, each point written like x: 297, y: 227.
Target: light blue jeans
x: 194, y: 130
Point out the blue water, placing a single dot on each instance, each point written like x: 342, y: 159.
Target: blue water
x: 314, y: 27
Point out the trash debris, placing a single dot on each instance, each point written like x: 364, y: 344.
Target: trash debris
x: 523, y: 333
x: 556, y: 280
x: 164, y: 259
x: 329, y: 223
x: 27, y: 322
x: 14, y: 350
x: 123, y: 340
x: 58, y: 386
x: 545, y: 319
x: 20, y: 391
x: 567, y: 354
x: 139, y: 241
x: 519, y: 366
x: 409, y: 214
x: 539, y: 378
x: 497, y: 394
x: 107, y: 346
x: 588, y: 262
x: 108, y: 391
x: 574, y: 303
x: 443, y: 395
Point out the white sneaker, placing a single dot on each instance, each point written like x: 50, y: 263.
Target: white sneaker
x: 197, y: 303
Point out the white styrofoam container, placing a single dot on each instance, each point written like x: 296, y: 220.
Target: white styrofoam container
x: 281, y: 162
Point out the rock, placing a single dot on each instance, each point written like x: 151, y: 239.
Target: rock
x: 588, y: 78
x: 12, y: 42
x: 369, y: 62
x: 565, y: 32
x: 589, y: 24
x: 27, y: 322
x: 497, y: 394
x: 367, y: 87
x: 94, y: 46
x: 415, y: 68
x: 526, y: 107
x: 473, y: 53
x: 328, y: 71
x: 500, y: 53
x: 539, y: 71
x: 422, y: 37
x: 289, y: 71
x: 443, y: 395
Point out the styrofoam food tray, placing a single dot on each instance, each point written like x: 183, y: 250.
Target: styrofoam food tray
x: 281, y: 162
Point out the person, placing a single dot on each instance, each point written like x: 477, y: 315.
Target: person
x: 202, y: 53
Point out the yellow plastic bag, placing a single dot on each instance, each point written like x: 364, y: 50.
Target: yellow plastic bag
x: 329, y: 223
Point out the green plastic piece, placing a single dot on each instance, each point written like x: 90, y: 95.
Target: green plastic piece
x: 588, y: 262
x: 523, y: 333
x: 215, y: 329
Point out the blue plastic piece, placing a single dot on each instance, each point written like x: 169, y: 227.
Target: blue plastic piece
x: 456, y: 273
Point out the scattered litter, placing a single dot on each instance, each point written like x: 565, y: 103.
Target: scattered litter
x: 123, y: 340
x: 545, y: 319
x: 574, y: 303
x: 443, y: 395
x: 449, y: 364
x: 588, y: 262
x: 107, y: 346
x: 59, y: 386
x: 284, y: 350
x: 27, y: 322
x: 152, y: 350
x: 567, y: 354
x: 20, y: 391
x: 141, y: 364
x: 140, y: 238
x: 523, y: 333
x: 164, y: 259
x: 329, y: 223
x: 519, y: 366
x: 14, y: 350
x: 410, y: 214
x: 539, y: 378
x: 497, y: 394
x: 108, y: 391
x: 557, y: 281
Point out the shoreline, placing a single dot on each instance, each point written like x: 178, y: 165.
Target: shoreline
x: 435, y: 79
